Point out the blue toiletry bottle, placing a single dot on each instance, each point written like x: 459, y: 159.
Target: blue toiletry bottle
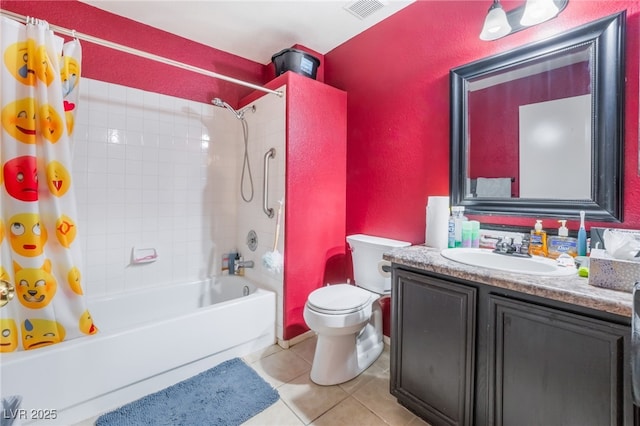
x: 582, y: 237
x: 451, y: 232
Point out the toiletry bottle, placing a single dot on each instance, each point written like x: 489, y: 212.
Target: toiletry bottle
x: 459, y: 219
x: 466, y: 233
x: 538, y: 240
x: 582, y: 237
x: 562, y: 243
x: 451, y: 233
x: 232, y: 262
x: 475, y: 233
x: 225, y: 264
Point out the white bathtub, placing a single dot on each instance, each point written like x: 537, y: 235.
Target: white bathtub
x: 147, y: 340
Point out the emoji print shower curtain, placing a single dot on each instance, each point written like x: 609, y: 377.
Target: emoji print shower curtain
x: 39, y: 247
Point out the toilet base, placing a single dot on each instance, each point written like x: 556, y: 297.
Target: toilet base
x: 339, y: 359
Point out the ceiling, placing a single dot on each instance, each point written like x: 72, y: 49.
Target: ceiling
x: 256, y: 30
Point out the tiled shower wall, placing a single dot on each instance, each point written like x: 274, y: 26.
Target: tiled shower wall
x: 152, y: 171
x: 266, y: 130
x: 155, y: 171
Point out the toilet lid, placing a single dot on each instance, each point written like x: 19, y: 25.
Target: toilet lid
x: 338, y: 299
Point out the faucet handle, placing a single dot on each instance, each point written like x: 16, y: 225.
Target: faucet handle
x: 523, y: 248
x: 505, y: 243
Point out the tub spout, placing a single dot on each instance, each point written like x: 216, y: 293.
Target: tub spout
x: 242, y: 264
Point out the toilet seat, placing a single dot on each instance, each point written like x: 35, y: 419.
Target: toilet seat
x: 339, y: 299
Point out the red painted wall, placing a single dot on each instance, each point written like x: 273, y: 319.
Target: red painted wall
x: 111, y: 66
x: 315, y: 191
x: 315, y: 204
x: 396, y: 74
x: 316, y: 129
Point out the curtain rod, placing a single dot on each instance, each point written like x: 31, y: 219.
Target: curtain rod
x: 142, y: 54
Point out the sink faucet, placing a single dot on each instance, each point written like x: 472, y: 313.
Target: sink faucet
x: 513, y: 247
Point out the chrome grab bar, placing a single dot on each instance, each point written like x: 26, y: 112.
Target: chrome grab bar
x: 265, y: 190
x: 635, y: 345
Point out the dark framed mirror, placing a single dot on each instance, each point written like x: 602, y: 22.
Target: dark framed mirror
x: 539, y: 130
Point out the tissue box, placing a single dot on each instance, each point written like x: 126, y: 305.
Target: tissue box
x: 608, y: 272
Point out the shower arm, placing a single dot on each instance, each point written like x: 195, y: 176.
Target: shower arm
x: 265, y: 190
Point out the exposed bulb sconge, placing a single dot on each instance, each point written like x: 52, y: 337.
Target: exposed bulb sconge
x: 499, y: 23
x: 538, y: 11
x: 496, y: 24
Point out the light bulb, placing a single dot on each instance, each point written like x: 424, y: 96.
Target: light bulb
x: 496, y: 24
x: 537, y: 11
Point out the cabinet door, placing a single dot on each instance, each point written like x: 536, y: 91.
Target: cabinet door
x: 548, y: 367
x: 433, y: 340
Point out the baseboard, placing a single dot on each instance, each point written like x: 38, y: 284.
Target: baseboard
x: 286, y: 344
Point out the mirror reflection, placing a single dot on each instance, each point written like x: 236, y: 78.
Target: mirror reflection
x: 535, y: 142
x: 538, y: 130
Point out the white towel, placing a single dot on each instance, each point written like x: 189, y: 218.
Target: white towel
x: 493, y: 187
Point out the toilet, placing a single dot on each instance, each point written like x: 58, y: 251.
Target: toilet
x: 348, y: 318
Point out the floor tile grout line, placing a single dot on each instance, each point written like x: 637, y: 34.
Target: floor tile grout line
x: 382, y: 370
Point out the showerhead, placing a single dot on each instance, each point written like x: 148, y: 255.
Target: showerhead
x: 220, y: 103
x: 239, y: 114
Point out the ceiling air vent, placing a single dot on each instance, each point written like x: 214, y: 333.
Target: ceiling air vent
x: 363, y: 8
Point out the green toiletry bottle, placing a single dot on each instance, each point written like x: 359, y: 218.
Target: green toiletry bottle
x: 459, y: 219
x: 475, y: 233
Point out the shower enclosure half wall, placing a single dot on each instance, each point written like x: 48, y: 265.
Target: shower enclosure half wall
x: 308, y: 131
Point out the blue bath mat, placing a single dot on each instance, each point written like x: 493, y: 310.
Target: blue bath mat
x: 227, y: 394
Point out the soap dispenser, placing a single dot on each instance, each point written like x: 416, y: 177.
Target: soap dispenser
x: 538, y: 240
x: 562, y: 243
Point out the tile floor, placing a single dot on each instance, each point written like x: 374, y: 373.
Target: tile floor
x: 364, y: 400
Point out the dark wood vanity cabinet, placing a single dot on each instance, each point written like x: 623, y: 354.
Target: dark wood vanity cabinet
x: 436, y: 347
x: 464, y: 353
x: 550, y: 367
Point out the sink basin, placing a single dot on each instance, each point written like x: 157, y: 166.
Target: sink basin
x: 486, y: 258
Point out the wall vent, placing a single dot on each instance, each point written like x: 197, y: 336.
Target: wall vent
x: 364, y: 8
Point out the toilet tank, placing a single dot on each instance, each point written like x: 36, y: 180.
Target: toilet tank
x: 366, y: 254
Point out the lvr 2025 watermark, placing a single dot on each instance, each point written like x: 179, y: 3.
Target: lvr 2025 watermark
x: 29, y: 414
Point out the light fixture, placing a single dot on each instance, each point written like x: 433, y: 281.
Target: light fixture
x: 538, y: 11
x: 496, y: 24
x: 499, y: 23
